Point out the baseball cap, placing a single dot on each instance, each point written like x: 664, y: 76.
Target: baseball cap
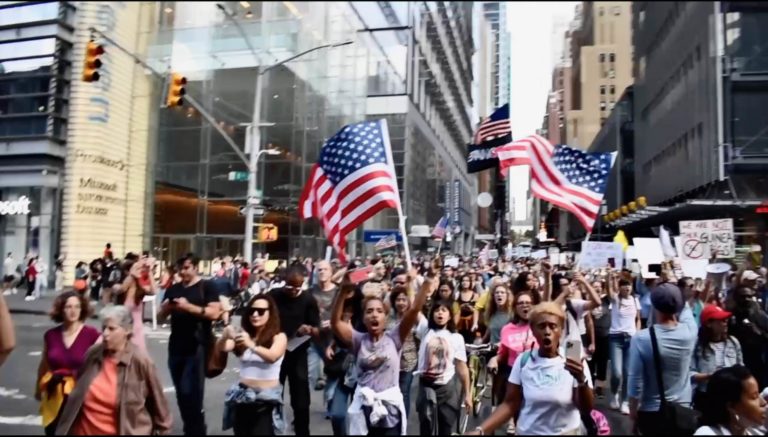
x: 749, y: 275
x: 667, y: 298
x: 714, y: 312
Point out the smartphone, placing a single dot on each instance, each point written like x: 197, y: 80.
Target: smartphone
x: 655, y: 268
x: 612, y: 262
x: 573, y: 349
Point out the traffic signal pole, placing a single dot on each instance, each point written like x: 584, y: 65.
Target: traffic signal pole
x: 194, y: 103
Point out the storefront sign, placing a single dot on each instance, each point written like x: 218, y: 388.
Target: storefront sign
x: 15, y: 207
x: 85, y: 156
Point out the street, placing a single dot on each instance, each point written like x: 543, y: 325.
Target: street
x: 19, y: 410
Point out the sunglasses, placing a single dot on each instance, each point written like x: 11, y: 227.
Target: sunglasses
x: 260, y: 311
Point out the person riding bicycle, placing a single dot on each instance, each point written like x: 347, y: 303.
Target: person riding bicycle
x: 466, y: 298
x: 442, y: 356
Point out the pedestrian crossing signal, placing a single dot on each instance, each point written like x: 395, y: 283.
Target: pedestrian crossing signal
x: 267, y: 234
x: 92, y: 62
x: 176, y: 90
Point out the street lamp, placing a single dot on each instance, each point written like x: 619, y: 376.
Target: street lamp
x: 254, y: 129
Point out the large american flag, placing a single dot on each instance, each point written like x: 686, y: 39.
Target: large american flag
x: 440, y: 228
x: 495, y: 126
x: 517, y: 152
x: 351, y: 182
x: 569, y: 178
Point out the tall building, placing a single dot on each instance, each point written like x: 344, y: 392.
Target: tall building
x: 701, y: 86
x: 410, y: 64
x: 483, y: 98
x: 73, y: 175
x: 601, y: 50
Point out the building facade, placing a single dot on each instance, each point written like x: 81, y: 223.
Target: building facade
x: 409, y: 64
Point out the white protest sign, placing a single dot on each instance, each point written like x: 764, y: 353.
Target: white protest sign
x: 451, y: 261
x: 701, y: 237
x: 630, y: 253
x: 539, y: 254
x: 648, y: 251
x: 595, y: 254
x: 695, y: 268
x: 493, y: 254
x: 524, y: 251
x: 554, y: 255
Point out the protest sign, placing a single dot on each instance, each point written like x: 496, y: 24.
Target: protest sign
x: 539, y: 254
x: 695, y: 268
x: 595, y: 254
x: 451, y: 261
x: 701, y: 237
x: 648, y: 251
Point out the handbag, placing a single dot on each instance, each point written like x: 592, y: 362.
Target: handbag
x: 80, y: 285
x: 215, y: 361
x: 678, y: 419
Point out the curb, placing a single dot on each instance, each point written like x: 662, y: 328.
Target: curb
x: 27, y: 311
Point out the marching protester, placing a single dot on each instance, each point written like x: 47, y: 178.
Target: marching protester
x: 659, y: 363
x: 734, y: 405
x: 253, y: 406
x: 560, y: 290
x: 602, y: 323
x: 300, y: 322
x: 409, y: 356
x: 715, y: 350
x: 117, y: 391
x: 64, y: 350
x: 466, y: 298
x: 625, y: 322
x: 131, y: 294
x: 324, y: 292
x: 192, y: 304
x: 443, y: 371
x: 377, y: 404
x: 547, y: 392
x: 749, y: 325
x: 498, y: 313
x: 341, y: 367
x: 7, y: 332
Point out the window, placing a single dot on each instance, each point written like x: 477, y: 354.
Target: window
x: 602, y: 106
x: 26, y: 49
x: 611, y: 74
x: 602, y: 90
x: 601, y: 11
x: 616, y: 10
x: 602, y: 121
x: 30, y: 13
x: 602, y: 57
x: 612, y: 89
x: 612, y: 57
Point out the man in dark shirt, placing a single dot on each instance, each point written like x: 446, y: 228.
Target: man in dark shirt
x: 193, y: 305
x: 299, y: 316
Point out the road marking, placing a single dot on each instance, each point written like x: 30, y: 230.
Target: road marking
x: 22, y: 420
x: 35, y: 353
x: 12, y: 393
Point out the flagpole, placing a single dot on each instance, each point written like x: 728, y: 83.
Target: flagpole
x: 400, y: 217
x: 440, y: 246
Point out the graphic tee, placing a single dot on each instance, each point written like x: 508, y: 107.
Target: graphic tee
x: 437, y: 352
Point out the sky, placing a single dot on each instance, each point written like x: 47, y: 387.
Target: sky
x: 531, y: 33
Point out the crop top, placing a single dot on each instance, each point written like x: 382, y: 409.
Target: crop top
x: 253, y: 366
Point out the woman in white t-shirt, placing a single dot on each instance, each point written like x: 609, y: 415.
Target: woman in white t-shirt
x: 442, y: 357
x: 733, y: 405
x: 625, y: 322
x: 549, y: 392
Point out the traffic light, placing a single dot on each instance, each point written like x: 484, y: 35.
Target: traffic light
x: 92, y: 62
x: 176, y: 90
x: 267, y: 233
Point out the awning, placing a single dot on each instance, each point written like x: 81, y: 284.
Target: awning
x: 690, y: 210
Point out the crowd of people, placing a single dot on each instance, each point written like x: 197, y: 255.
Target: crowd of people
x: 687, y: 356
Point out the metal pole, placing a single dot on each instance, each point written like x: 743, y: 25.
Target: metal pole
x: 719, y: 53
x: 617, y: 116
x: 254, y: 148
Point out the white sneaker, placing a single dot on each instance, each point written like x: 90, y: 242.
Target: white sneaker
x: 7, y: 293
x: 615, y: 402
x: 625, y: 408
x: 28, y: 298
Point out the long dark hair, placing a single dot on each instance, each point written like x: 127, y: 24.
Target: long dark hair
x: 557, y: 288
x: 704, y: 343
x: 450, y: 326
x: 724, y: 389
x: 521, y: 282
x: 270, y: 329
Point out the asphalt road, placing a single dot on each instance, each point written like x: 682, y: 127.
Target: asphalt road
x: 19, y: 410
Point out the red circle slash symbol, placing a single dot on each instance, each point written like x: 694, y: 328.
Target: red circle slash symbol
x: 693, y: 249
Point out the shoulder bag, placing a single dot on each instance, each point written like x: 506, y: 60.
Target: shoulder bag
x: 678, y: 419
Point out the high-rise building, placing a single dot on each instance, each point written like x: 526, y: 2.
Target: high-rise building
x: 483, y: 98
x: 410, y: 64
x: 601, y: 67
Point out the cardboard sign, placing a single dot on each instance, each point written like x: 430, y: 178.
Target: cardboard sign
x: 700, y: 238
x: 648, y: 251
x: 451, y: 261
x: 595, y: 254
x: 695, y: 268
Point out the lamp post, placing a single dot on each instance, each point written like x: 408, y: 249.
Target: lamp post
x: 254, y: 144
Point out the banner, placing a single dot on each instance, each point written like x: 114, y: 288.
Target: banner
x: 456, y: 201
x: 701, y: 237
x: 481, y: 158
x: 596, y: 254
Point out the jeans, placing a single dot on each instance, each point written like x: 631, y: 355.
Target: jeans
x: 406, y: 379
x: 599, y: 363
x: 315, y: 364
x: 253, y: 419
x: 338, y: 408
x: 188, y: 374
x: 294, y: 368
x: 619, y: 355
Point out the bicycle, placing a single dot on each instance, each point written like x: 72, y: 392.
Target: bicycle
x: 477, y: 361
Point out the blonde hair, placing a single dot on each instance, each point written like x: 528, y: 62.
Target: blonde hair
x: 547, y: 309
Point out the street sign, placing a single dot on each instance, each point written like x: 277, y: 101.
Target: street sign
x: 240, y: 176
x: 373, y: 236
x: 257, y: 211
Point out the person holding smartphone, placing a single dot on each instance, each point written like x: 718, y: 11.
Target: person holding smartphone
x: 250, y: 403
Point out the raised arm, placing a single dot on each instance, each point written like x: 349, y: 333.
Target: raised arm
x: 341, y: 329
x: 612, y: 283
x: 547, y: 271
x: 592, y: 297
x: 412, y: 315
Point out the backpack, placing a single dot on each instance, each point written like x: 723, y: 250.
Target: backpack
x: 594, y: 423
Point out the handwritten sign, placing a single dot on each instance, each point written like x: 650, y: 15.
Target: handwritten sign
x: 595, y: 254
x: 700, y: 238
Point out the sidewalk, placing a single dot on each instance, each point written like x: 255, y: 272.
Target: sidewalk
x: 40, y: 306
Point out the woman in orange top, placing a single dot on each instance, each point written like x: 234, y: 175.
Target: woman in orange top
x: 117, y: 391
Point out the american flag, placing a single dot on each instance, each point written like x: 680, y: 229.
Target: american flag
x: 495, y: 126
x: 516, y: 153
x: 386, y: 242
x: 440, y: 228
x: 569, y: 178
x: 352, y: 181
